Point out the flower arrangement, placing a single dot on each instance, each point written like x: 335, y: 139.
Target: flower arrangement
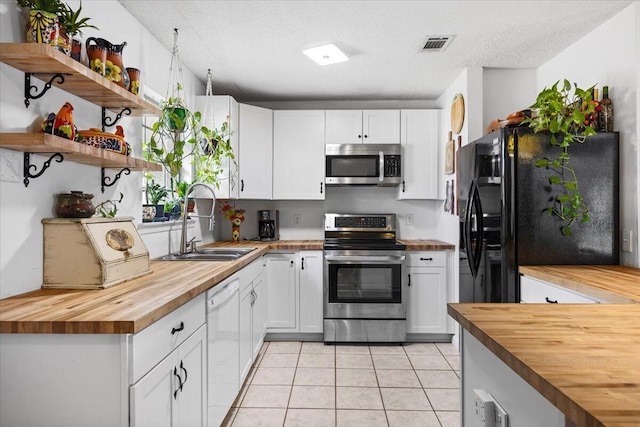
x: 236, y: 216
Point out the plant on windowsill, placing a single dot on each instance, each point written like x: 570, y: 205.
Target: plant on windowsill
x: 155, y: 195
x: 561, y: 112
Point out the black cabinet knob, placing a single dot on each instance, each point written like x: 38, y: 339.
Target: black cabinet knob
x: 178, y: 329
x: 550, y: 301
x: 242, y: 185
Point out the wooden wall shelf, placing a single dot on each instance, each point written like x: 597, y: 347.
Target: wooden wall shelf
x: 44, y: 61
x: 39, y: 143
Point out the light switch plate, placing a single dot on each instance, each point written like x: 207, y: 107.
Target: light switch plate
x: 11, y: 164
x: 627, y: 243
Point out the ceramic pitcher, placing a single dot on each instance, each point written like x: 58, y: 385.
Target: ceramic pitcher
x: 114, y: 67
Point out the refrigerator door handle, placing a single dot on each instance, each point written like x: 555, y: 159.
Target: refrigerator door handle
x: 467, y: 231
x: 480, y: 233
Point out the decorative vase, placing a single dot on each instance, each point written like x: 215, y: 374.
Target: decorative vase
x: 148, y: 213
x: 134, y: 76
x: 114, y: 66
x: 75, y: 204
x: 235, y: 232
x: 43, y: 27
x: 76, y: 49
x: 97, y: 56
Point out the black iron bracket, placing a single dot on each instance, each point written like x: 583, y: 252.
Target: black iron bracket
x: 108, y: 122
x: 108, y: 182
x: 29, y: 88
x: 28, y: 166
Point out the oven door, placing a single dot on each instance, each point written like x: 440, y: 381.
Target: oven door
x: 364, y: 286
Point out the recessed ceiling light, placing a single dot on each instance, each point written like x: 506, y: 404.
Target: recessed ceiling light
x: 326, y: 54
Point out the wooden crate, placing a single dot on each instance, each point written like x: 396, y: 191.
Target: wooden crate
x: 92, y: 253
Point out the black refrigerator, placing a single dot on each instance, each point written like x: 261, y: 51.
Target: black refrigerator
x: 503, y: 200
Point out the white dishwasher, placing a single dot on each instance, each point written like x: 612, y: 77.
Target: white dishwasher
x: 223, y: 339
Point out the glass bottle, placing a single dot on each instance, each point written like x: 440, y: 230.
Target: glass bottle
x: 605, y: 116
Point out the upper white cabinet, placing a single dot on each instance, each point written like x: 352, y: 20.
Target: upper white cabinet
x: 255, y: 133
x: 419, y: 137
x: 362, y: 127
x: 218, y: 109
x: 298, y: 155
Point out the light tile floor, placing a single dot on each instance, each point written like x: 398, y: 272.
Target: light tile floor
x: 311, y: 384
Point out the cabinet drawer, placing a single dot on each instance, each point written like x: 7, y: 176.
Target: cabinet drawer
x: 537, y: 291
x: 154, y: 343
x: 427, y: 259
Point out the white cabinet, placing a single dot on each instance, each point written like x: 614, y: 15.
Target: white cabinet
x: 533, y: 290
x: 298, y: 155
x: 427, y: 292
x: 295, y: 286
x: 311, y: 285
x: 255, y: 133
x: 282, y: 291
x: 173, y: 393
x: 362, y: 126
x: 218, y: 109
x: 252, y: 318
x: 419, y: 138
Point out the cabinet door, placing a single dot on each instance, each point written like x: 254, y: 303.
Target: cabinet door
x: 427, y: 300
x: 343, y: 126
x: 298, y: 155
x: 281, y: 288
x: 151, y: 399
x: 256, y: 149
x: 420, y: 170
x: 215, y: 111
x: 245, y: 346
x: 258, y: 315
x: 311, y: 286
x: 381, y: 126
x: 192, y: 397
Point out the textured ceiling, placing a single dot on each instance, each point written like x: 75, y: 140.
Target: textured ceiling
x: 255, y: 47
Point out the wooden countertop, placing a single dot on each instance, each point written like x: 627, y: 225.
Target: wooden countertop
x: 131, y: 306
x: 427, y: 245
x: 612, y: 283
x: 583, y: 358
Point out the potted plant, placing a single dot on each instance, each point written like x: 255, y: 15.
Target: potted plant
x: 108, y: 208
x: 155, y: 194
x: 561, y: 111
x: 71, y: 26
x: 215, y: 146
x: 181, y: 191
x: 42, y: 21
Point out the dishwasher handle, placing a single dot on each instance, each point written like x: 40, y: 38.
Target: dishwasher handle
x: 218, y: 298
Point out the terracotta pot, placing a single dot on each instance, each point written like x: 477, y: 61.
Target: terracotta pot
x: 134, y: 76
x: 75, y: 204
x: 97, y: 56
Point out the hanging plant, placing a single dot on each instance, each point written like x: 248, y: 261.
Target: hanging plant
x: 561, y: 112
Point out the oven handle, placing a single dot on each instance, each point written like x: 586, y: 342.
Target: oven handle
x: 373, y: 259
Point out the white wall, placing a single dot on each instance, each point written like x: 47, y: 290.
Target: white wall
x: 506, y: 91
x: 610, y: 56
x: 22, y: 209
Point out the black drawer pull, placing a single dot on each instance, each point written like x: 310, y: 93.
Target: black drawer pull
x: 426, y: 259
x: 178, y: 329
x: 550, y: 301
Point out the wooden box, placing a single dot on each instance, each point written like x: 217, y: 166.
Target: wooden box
x: 92, y: 253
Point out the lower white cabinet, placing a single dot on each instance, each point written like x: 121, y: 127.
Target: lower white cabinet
x: 174, y: 392
x: 253, y: 304
x: 427, y: 292
x: 294, y: 288
x: 534, y: 290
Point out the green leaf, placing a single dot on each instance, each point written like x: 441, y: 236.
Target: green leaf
x: 542, y: 163
x: 585, y: 218
x: 556, y: 163
x: 554, y: 180
x: 554, y: 127
x: 563, y: 198
x: 570, y: 185
x: 566, y: 231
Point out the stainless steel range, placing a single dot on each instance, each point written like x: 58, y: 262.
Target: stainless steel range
x: 364, y: 292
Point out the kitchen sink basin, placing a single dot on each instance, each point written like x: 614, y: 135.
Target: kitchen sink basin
x: 209, y: 254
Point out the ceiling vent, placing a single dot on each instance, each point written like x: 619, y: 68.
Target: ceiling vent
x: 437, y: 43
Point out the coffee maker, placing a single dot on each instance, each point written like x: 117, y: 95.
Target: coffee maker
x: 268, y: 225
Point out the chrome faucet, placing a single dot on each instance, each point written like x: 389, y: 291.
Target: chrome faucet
x: 190, y: 246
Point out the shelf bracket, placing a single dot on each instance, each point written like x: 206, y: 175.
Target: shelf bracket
x: 108, y: 182
x: 28, y: 166
x: 107, y: 122
x: 31, y: 91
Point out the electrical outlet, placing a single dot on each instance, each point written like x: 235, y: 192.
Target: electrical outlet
x: 297, y: 219
x: 488, y: 410
x: 409, y: 219
x: 627, y: 243
x: 11, y: 163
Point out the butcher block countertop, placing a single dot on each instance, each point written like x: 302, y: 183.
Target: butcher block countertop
x: 612, y: 283
x: 129, y: 307
x: 583, y: 358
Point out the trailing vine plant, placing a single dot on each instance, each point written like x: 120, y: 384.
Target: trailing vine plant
x: 562, y: 112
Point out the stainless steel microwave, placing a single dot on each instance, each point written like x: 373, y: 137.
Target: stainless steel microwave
x: 363, y: 164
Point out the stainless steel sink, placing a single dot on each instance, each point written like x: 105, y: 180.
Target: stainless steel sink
x: 209, y: 254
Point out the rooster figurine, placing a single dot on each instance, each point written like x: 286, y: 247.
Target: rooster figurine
x: 63, y: 123
x: 120, y: 131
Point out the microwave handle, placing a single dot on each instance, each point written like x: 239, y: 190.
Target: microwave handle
x: 381, y: 177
